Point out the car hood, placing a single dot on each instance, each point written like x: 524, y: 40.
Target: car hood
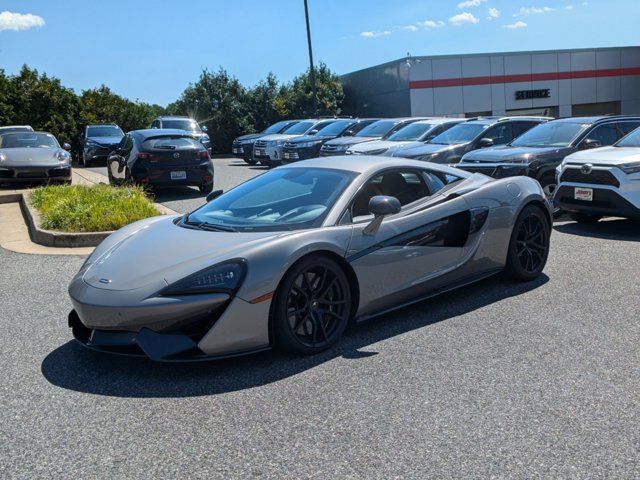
x: 514, y: 154
x: 385, y: 144
x: 32, y: 157
x: 147, y: 253
x: 606, y: 156
x: 110, y: 140
x: 309, y: 138
x: 423, y: 149
x: 279, y: 136
x: 249, y: 136
x: 351, y: 140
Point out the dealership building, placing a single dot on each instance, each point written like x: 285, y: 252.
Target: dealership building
x: 558, y: 83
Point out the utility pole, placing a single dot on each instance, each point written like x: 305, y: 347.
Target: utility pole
x: 312, y: 75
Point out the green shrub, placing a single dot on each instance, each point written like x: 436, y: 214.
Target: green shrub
x: 98, y: 208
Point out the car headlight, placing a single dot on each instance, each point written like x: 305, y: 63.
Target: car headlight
x: 3, y: 157
x: 308, y: 144
x: 279, y: 143
x: 378, y: 151
x: 92, y: 144
x: 223, y: 277
x: 63, y: 156
x: 630, y: 168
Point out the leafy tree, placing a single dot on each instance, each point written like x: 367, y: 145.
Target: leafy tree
x: 267, y: 102
x: 299, y: 94
x: 6, y: 99
x: 220, y: 102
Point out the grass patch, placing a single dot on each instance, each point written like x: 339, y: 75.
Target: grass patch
x: 98, y: 208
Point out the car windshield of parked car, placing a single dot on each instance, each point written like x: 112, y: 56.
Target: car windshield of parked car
x: 377, y: 129
x: 182, y: 124
x: 551, y: 134
x: 276, y: 127
x: 335, y: 128
x: 461, y: 133
x: 281, y: 199
x: 299, y: 128
x: 28, y: 140
x: 631, y: 140
x: 411, y: 132
x: 104, y: 131
x: 171, y: 143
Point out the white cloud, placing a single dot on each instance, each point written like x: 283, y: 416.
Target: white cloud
x: 463, y: 18
x: 411, y: 28
x: 375, y: 34
x: 569, y: 7
x: 471, y: 3
x: 518, y: 24
x: 533, y: 11
x: 19, y: 21
x: 493, y: 13
x: 431, y: 24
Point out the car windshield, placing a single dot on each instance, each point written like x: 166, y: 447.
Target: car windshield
x: 377, y: 129
x: 413, y: 131
x: 182, y: 124
x: 277, y: 127
x: 299, y: 128
x: 282, y: 199
x: 461, y: 133
x: 551, y: 134
x: 171, y: 143
x: 631, y: 140
x: 28, y: 140
x: 104, y: 131
x: 334, y: 129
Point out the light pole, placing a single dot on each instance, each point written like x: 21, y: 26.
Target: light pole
x: 312, y: 75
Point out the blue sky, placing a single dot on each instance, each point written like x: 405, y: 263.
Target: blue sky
x: 151, y: 50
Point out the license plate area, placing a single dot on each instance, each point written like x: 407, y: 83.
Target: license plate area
x: 583, y: 194
x: 178, y: 175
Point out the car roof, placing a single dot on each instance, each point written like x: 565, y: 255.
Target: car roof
x: 175, y: 117
x: 370, y: 163
x: 596, y: 118
x: 438, y: 120
x: 158, y: 132
x: 102, y: 125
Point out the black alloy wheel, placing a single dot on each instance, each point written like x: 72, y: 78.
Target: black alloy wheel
x: 529, y: 245
x: 312, y: 307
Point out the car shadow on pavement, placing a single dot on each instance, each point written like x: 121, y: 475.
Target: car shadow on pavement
x: 618, y: 229
x: 170, y: 194
x: 242, y: 163
x: 76, y: 368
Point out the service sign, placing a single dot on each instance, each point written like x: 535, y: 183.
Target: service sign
x: 529, y: 94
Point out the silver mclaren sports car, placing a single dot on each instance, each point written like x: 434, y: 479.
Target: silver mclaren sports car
x: 290, y: 258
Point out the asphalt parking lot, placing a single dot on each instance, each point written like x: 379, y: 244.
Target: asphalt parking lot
x: 497, y: 379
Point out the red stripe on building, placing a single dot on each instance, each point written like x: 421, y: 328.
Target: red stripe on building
x: 527, y: 77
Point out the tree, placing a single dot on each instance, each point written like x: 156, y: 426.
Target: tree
x: 220, y: 102
x: 266, y: 102
x: 299, y: 95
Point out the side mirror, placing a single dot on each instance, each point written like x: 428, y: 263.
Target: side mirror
x: 204, y: 129
x: 485, y: 142
x: 313, y: 132
x: 381, y: 206
x: 66, y: 146
x: 349, y: 133
x: 590, y: 143
x: 214, y: 194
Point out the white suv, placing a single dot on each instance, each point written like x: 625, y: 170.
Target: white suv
x: 601, y: 182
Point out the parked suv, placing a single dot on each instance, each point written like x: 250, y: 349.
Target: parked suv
x: 602, y: 181
x: 187, y: 124
x: 308, y: 146
x: 451, y: 145
x: 412, y: 135
x: 97, y: 141
x: 242, y: 146
x: 539, y: 151
x: 268, y: 150
x: 376, y: 131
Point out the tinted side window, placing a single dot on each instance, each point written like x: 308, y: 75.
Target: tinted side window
x: 627, y: 127
x: 406, y: 185
x: 520, y: 127
x: 500, y: 134
x: 606, y: 134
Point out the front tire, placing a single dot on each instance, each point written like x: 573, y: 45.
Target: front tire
x: 529, y: 245
x: 582, y: 217
x: 312, y: 306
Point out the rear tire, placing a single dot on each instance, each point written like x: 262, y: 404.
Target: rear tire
x: 206, y: 188
x: 250, y: 161
x: 581, y: 217
x: 312, y: 306
x: 529, y: 245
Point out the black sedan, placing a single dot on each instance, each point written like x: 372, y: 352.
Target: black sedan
x: 308, y: 146
x: 243, y: 146
x: 31, y: 157
x: 97, y: 142
x: 161, y: 157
